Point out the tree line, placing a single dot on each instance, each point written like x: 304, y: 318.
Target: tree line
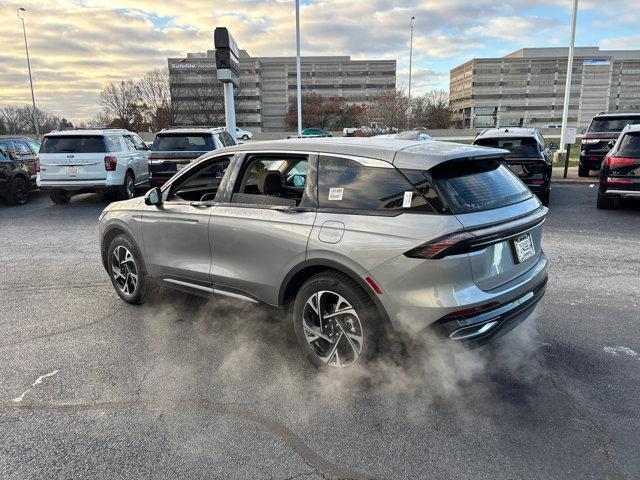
x: 394, y: 109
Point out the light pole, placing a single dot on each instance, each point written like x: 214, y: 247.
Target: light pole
x: 298, y: 80
x: 26, y: 48
x: 410, y: 52
x: 567, y: 88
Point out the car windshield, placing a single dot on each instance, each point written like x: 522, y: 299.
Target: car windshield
x: 183, y: 142
x: 612, y: 124
x: 519, y: 147
x: 630, y: 145
x: 73, y: 144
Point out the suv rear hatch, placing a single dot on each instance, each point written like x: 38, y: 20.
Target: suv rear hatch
x: 524, y: 159
x: 595, y: 142
x: 501, y: 220
x: 72, y: 157
x: 623, y: 167
x: 172, y: 151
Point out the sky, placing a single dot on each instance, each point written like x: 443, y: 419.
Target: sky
x: 76, y: 46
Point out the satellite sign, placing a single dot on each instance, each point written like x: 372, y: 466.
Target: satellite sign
x: 227, y: 56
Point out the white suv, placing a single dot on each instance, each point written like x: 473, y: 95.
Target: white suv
x: 112, y: 161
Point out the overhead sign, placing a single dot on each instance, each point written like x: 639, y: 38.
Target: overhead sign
x: 227, y: 56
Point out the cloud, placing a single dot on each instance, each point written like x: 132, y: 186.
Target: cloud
x: 622, y: 43
x: 78, y: 46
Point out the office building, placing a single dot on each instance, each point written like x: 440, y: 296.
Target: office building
x: 526, y: 87
x: 268, y: 84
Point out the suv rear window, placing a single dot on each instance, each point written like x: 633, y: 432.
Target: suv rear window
x: 73, y: 144
x: 519, y: 147
x: 170, y: 142
x: 629, y: 145
x: 476, y: 185
x: 616, y: 124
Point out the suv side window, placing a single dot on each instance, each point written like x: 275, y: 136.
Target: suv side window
x: 35, y: 146
x: 345, y: 184
x: 129, y: 142
x: 139, y: 143
x: 201, y: 184
x: 272, y: 180
x: 21, y: 148
x: 4, y: 147
x: 113, y: 143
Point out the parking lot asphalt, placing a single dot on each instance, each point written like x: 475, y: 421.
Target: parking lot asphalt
x: 91, y: 387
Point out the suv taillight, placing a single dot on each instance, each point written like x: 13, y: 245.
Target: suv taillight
x: 110, y: 163
x: 36, y: 164
x: 620, y: 162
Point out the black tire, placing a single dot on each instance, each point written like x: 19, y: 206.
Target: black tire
x: 18, y: 191
x: 245, y: 137
x: 366, y: 324
x: 128, y: 189
x: 583, y: 170
x: 544, y: 197
x: 605, y: 203
x: 59, y: 197
x: 125, y: 268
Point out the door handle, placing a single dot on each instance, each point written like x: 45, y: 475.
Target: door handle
x: 199, y: 204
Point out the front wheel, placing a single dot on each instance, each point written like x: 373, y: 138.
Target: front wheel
x: 245, y: 137
x: 126, y: 270
x: 335, y: 322
x: 18, y: 191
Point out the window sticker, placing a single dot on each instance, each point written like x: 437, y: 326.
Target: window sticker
x: 406, y: 201
x: 335, y: 193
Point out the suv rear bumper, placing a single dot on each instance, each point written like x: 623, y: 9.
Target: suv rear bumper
x: 593, y: 162
x: 479, y: 329
x: 72, y: 185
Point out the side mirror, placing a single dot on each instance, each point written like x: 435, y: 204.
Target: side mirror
x: 153, y: 197
x: 611, y: 144
x: 553, y: 146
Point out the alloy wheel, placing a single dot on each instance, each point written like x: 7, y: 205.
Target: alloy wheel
x: 332, y: 329
x: 124, y: 270
x: 130, y: 187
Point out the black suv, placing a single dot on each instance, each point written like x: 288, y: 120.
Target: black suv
x: 530, y: 158
x: 604, y: 128
x: 17, y: 168
x: 174, y: 148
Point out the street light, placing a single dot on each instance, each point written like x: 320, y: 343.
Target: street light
x: 26, y: 48
x: 298, y: 81
x: 410, y: 52
x: 567, y: 88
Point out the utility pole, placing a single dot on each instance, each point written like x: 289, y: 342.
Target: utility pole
x: 410, y: 52
x: 298, y: 79
x: 26, y: 47
x: 567, y: 88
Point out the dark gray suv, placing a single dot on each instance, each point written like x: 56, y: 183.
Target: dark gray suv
x: 353, y: 237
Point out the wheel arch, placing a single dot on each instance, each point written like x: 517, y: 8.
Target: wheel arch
x: 111, y: 232
x: 305, y: 270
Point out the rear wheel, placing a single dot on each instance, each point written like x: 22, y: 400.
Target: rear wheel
x: 128, y: 189
x: 18, y: 192
x: 605, y: 203
x: 60, y: 197
x: 335, y: 322
x: 245, y: 137
x: 583, y: 171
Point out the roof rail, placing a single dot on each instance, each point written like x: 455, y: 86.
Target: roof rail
x: 177, y: 127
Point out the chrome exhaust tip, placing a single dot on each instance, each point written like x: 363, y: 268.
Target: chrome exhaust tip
x: 473, y: 330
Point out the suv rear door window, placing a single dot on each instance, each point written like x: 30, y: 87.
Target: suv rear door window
x: 519, y: 147
x: 178, y: 142
x: 474, y: 185
x: 629, y: 146
x: 348, y: 184
x: 73, y: 144
x: 616, y: 124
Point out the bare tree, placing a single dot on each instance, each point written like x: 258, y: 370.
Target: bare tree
x: 391, y: 109
x: 11, y: 118
x: 431, y: 110
x: 155, y: 94
x: 121, y: 102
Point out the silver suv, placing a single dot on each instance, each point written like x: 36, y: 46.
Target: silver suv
x: 352, y: 237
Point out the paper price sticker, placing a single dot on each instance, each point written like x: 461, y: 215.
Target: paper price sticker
x: 335, y: 193
x: 406, y: 201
